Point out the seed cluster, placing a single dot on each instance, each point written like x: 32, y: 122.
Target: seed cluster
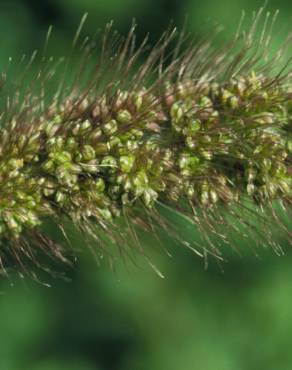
x: 208, y: 137
x: 207, y: 142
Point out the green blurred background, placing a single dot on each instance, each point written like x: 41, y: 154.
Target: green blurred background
x: 232, y: 316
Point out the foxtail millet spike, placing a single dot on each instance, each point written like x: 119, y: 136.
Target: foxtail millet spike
x: 203, y: 132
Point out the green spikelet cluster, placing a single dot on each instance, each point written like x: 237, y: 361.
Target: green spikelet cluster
x: 198, y: 138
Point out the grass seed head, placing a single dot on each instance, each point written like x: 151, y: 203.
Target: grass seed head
x: 209, y: 139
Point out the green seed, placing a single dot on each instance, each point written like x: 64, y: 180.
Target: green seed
x: 127, y: 163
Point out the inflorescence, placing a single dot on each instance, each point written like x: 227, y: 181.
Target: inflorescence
x: 210, y: 136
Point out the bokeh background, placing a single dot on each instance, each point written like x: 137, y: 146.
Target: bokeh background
x: 236, y: 315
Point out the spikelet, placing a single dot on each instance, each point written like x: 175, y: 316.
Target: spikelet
x: 201, y: 132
